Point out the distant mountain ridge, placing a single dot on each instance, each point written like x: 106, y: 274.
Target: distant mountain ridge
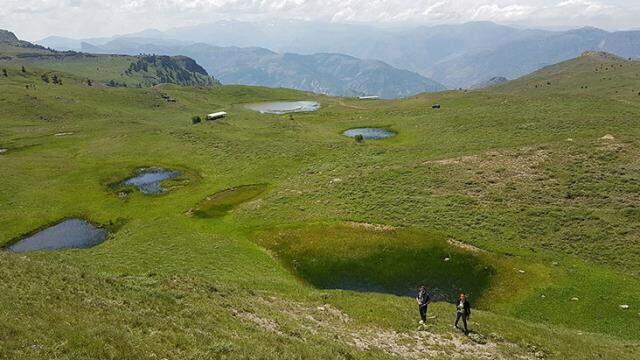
x: 496, y: 80
x: 458, y: 55
x: 325, y: 73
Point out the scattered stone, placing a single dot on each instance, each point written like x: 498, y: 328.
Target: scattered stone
x: 336, y: 180
x: 477, y: 338
x: 2, y: 151
x: 608, y: 137
x: 543, y: 296
x: 570, y: 139
x: 447, y: 259
x: 555, y: 263
x: 574, y: 299
x: 539, y: 354
x: 624, y: 307
x: 63, y: 134
x: 521, y: 271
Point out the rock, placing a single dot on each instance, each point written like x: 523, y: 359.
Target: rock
x: 574, y: 299
x: 63, y: 134
x: 543, y: 296
x: 539, y: 354
x: 624, y: 307
x: 555, y: 263
x: 2, y: 151
x: 447, y: 259
x: 570, y: 139
x: 521, y: 271
x: 608, y: 137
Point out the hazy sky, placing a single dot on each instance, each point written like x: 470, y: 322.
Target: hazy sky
x: 35, y: 19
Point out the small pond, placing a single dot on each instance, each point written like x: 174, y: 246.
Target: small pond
x: 149, y: 180
x: 369, y: 133
x: 284, y: 107
x: 68, y: 234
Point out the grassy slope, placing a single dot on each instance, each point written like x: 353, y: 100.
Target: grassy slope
x: 98, y: 68
x: 522, y: 190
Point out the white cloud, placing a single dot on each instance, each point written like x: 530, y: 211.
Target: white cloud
x: 33, y: 19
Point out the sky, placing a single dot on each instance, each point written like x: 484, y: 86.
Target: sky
x: 36, y: 19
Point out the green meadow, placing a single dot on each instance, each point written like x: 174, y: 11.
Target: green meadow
x: 284, y: 239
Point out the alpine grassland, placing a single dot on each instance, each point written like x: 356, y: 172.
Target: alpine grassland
x: 282, y: 238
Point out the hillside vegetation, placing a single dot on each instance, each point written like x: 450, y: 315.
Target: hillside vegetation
x: 284, y: 239
x: 111, y: 70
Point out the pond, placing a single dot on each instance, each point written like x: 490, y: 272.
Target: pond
x: 68, y: 234
x: 149, y: 180
x: 369, y: 133
x: 284, y: 107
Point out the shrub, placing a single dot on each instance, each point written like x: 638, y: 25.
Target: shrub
x: 4, y: 72
x: 45, y: 78
x: 23, y: 69
x: 196, y: 119
x: 359, y: 138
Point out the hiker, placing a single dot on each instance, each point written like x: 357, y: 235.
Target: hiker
x: 423, y: 300
x: 463, y: 310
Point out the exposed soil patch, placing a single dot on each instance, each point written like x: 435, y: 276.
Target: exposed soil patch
x: 374, y: 227
x: 328, y: 321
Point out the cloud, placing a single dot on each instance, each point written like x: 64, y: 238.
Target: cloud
x: 34, y: 19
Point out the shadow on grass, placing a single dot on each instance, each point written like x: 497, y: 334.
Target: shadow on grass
x: 220, y: 203
x: 394, y: 262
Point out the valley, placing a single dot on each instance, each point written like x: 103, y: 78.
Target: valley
x: 276, y: 236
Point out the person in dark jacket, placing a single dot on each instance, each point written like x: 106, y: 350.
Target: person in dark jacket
x: 463, y: 311
x: 423, y: 300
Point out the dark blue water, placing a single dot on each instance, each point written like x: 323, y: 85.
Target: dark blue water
x: 69, y: 234
x: 284, y: 107
x: 369, y: 133
x: 148, y: 181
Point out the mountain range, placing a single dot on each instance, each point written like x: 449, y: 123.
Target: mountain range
x: 324, y: 73
x: 457, y: 55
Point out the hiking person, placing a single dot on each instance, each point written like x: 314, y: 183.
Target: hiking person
x: 423, y: 300
x: 463, y: 311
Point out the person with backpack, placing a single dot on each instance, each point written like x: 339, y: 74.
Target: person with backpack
x: 463, y: 311
x: 423, y: 300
